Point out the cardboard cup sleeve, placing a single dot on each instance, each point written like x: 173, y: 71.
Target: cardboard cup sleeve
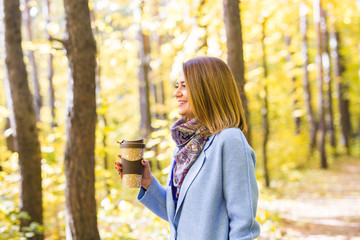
x: 132, y: 154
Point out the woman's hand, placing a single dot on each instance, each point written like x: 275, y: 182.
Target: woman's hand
x: 146, y: 176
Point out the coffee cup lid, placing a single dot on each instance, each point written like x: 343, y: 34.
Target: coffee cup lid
x: 132, y: 144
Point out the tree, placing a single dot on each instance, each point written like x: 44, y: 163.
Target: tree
x: 318, y: 59
x: 51, y: 64
x: 38, y: 97
x: 343, y: 103
x: 288, y: 57
x: 144, y: 89
x: 8, y: 131
x: 102, y: 120
x: 26, y: 133
x: 265, y: 109
x: 327, y: 78
x: 235, y: 57
x: 358, y: 6
x: 81, y: 119
x: 306, y: 83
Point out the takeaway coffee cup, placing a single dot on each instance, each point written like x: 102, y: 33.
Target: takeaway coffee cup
x: 131, y: 156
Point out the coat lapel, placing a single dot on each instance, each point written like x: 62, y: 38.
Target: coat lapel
x: 193, y: 171
x: 170, y: 204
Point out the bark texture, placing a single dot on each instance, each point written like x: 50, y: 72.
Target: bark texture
x: 235, y: 57
x: 144, y: 88
x: 81, y: 118
x: 26, y: 133
x: 321, y: 102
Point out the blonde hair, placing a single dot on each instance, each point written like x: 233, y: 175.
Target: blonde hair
x: 213, y: 94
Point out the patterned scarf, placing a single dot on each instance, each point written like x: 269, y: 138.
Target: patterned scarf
x: 190, y: 137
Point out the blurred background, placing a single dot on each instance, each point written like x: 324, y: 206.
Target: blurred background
x: 304, y: 126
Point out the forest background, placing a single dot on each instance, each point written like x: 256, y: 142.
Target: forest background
x: 302, y: 84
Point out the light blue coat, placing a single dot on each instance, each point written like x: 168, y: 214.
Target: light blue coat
x: 218, y: 198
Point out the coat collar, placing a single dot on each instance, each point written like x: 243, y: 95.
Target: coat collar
x: 193, y: 171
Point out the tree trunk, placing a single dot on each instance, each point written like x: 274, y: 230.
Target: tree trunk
x: 358, y: 131
x: 235, y: 57
x: 306, y: 83
x: 327, y: 80
x: 51, y: 90
x: 162, y: 99
x: 359, y: 89
x: 26, y: 132
x: 38, y: 98
x: 81, y: 221
x: 10, y: 121
x: 321, y: 107
x: 144, y: 88
x: 342, y: 103
x: 265, y: 109
x: 296, y: 116
x: 154, y: 92
x: 47, y: 17
x: 101, y: 116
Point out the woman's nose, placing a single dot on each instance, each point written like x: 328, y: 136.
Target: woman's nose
x: 177, y: 92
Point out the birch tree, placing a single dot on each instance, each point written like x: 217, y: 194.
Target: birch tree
x: 306, y: 83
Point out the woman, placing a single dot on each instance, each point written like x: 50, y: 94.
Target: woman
x: 211, y: 192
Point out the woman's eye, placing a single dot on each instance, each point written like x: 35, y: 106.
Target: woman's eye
x: 182, y: 86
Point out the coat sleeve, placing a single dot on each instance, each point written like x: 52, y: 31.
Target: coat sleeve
x: 239, y: 185
x: 154, y: 198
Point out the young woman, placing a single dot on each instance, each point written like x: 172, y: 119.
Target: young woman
x: 211, y: 191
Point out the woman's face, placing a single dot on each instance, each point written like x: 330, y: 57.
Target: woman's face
x: 181, y: 95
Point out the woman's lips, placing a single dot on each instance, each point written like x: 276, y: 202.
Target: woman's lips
x: 180, y: 103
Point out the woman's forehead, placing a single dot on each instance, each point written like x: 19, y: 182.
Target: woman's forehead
x: 181, y: 77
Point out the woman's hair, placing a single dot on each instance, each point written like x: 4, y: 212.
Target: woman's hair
x: 213, y: 94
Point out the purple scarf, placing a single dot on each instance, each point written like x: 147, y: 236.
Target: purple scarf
x: 190, y: 137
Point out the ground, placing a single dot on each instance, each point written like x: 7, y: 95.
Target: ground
x: 324, y: 204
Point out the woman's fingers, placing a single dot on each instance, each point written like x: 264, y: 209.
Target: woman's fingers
x: 146, y: 170
x: 146, y: 177
x: 145, y: 163
x: 118, y: 167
